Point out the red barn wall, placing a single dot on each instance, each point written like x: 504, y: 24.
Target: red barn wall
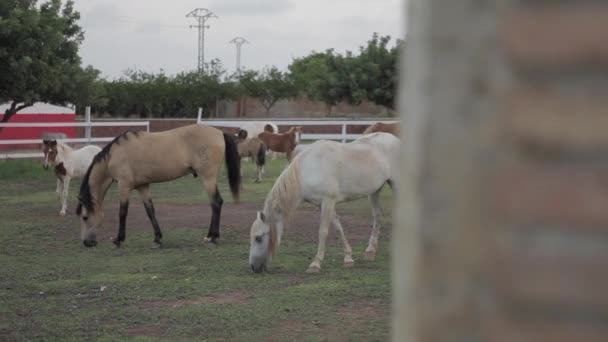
x: 34, y: 132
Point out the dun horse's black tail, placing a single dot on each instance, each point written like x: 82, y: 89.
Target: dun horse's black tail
x: 233, y: 165
x: 261, y: 157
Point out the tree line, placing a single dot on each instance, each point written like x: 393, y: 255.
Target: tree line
x: 39, y: 61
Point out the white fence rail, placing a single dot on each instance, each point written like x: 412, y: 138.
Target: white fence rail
x: 87, y: 124
x: 343, y: 123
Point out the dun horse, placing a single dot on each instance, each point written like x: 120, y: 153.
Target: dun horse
x: 285, y: 142
x: 255, y: 149
x: 392, y: 128
x: 68, y: 163
x: 324, y: 173
x: 135, y: 159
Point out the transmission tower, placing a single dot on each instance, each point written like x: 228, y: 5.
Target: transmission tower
x: 238, y: 41
x: 201, y: 14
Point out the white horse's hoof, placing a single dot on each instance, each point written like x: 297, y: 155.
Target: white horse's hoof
x: 349, y: 264
x: 313, y: 269
x: 370, y: 256
x: 62, y: 213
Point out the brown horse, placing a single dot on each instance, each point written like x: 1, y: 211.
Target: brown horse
x: 392, y: 128
x: 135, y: 159
x: 255, y: 149
x: 285, y: 142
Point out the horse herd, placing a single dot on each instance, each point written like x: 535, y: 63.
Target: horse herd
x: 324, y: 173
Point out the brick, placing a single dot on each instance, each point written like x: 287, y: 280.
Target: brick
x: 557, y: 35
x: 528, y: 193
x: 554, y: 121
x: 501, y: 328
x: 556, y: 281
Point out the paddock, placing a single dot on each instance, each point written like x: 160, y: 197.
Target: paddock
x: 55, y: 288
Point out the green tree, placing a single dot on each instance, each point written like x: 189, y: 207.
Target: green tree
x: 318, y: 76
x: 268, y: 86
x: 89, y: 90
x: 38, y: 53
x: 375, y: 72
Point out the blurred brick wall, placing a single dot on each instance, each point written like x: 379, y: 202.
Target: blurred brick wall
x: 503, y: 206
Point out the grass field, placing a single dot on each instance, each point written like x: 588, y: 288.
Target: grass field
x: 52, y: 288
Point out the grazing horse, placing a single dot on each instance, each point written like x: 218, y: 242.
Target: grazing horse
x: 135, y: 159
x: 324, y: 173
x: 253, y: 128
x: 255, y: 149
x: 68, y: 163
x: 285, y: 142
x: 392, y: 128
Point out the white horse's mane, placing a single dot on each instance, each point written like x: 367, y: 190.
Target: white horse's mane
x: 285, y: 194
x: 62, y: 149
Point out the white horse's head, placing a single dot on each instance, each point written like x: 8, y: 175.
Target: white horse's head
x: 263, y: 239
x: 50, y: 153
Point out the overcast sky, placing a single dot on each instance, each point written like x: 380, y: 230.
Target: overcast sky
x: 154, y: 34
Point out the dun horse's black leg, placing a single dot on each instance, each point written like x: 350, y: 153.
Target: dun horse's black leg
x: 124, y: 209
x: 216, y: 207
x: 158, y: 236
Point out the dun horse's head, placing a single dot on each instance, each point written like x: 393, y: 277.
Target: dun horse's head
x: 90, y: 220
x: 50, y: 153
x: 263, y: 242
x: 241, y: 135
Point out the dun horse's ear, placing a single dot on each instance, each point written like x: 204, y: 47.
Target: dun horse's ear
x: 242, y: 134
x: 46, y: 142
x: 53, y: 142
x: 261, y: 216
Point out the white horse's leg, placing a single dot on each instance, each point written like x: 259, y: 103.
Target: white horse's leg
x: 64, y: 195
x: 348, y: 251
x: 59, y: 187
x: 327, y: 215
x: 259, y: 177
x: 370, y: 251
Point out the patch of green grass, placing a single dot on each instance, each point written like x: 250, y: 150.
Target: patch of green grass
x: 18, y: 169
x: 52, y: 288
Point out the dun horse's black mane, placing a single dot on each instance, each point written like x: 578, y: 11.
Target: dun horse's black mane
x: 84, y: 197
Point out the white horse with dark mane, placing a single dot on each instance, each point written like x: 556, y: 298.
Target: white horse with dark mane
x: 68, y: 163
x: 326, y: 173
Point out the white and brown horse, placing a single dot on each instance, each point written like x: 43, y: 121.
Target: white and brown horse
x: 134, y: 160
x: 392, y: 128
x: 282, y: 142
x: 251, y: 129
x: 68, y: 163
x: 325, y: 173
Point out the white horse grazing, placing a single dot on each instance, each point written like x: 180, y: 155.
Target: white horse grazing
x: 68, y: 163
x: 326, y: 172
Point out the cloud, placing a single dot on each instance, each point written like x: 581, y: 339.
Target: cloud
x: 102, y: 15
x: 249, y: 7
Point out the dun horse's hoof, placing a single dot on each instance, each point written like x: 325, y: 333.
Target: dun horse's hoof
x: 157, y: 245
x: 211, y: 241
x: 349, y: 264
x: 313, y: 269
x: 370, y: 256
x: 116, y: 243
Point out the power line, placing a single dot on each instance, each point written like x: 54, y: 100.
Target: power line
x: 201, y: 14
x: 238, y: 41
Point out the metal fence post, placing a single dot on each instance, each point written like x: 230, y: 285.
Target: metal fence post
x: 200, y: 115
x: 87, y: 119
x: 343, y: 133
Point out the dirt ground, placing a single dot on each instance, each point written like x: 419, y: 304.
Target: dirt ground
x: 304, y: 226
